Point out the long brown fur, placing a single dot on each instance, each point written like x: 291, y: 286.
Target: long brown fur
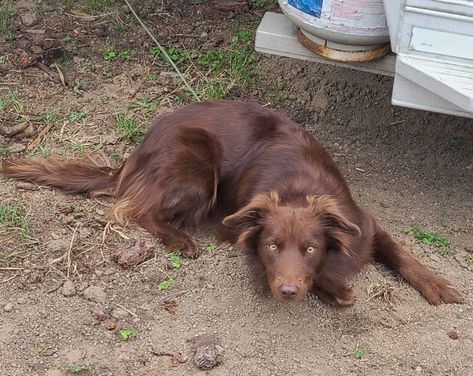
x: 281, y: 197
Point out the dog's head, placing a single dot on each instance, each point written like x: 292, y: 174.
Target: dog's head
x: 291, y: 241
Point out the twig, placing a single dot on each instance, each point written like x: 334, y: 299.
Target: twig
x: 9, y: 279
x: 69, y: 251
x: 10, y: 268
x: 40, y: 137
x: 176, y: 294
x: 125, y: 309
x: 61, y: 75
x: 164, y: 52
x: 89, y: 17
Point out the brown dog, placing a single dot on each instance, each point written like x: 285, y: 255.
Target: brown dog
x: 284, y: 201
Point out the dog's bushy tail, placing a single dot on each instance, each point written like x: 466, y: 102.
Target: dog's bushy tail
x: 73, y: 177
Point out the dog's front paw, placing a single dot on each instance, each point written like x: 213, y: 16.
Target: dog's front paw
x: 343, y: 298
x: 184, y: 246
x: 438, y: 290
x: 190, y: 249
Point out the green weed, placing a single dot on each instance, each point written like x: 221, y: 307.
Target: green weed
x: 360, y: 353
x: 211, y: 59
x: 119, y: 25
x: 431, y: 239
x: 126, y: 334
x: 3, y: 104
x: 15, y: 101
x: 3, y: 60
x: 145, y: 104
x: 166, y: 284
x: 4, y: 150
x: 76, y: 116
x: 4, y: 256
x: 210, y: 247
x: 177, y: 55
x: 175, y: 260
x: 87, y: 64
x: 51, y: 117
x: 71, y: 43
x: 127, y: 54
x: 99, y: 5
x: 78, y: 369
x: 38, y: 9
x: 116, y: 156
x: 6, y: 16
x: 129, y: 128
x: 15, y: 216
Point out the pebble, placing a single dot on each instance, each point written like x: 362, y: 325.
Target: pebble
x: 119, y: 313
x: 110, y: 324
x: 68, y: 289
x: 21, y: 301
x: 28, y: 19
x: 8, y: 307
x: 95, y: 294
x: 27, y: 186
x: 57, y: 245
x: 99, y: 211
x: 75, y: 356
x: 418, y: 369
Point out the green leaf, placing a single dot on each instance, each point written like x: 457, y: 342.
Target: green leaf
x: 126, y: 334
x: 210, y: 247
x: 175, y: 260
x: 164, y: 285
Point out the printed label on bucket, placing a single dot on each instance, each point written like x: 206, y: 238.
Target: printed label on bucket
x: 311, y: 7
x: 352, y: 17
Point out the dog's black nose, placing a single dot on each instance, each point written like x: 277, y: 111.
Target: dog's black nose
x: 289, y: 291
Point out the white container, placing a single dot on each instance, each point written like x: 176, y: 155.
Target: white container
x: 347, y: 30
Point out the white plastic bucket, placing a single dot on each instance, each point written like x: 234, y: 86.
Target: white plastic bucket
x: 353, y: 26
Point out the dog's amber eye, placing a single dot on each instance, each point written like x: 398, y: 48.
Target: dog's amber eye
x: 272, y: 247
x: 310, y: 249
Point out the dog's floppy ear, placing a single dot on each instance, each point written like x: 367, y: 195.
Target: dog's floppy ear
x: 250, y: 216
x: 337, y: 227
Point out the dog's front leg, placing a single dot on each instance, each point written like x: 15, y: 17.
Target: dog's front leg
x: 174, y: 239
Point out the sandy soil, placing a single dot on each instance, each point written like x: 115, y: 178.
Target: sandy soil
x: 64, y: 301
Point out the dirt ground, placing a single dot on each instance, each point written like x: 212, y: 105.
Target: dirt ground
x: 78, y: 77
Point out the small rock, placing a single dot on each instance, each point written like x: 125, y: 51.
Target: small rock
x: 119, y: 313
x: 27, y: 186
x: 28, y: 19
x: 58, y: 245
x: 208, y: 356
x: 68, y: 289
x: 418, y: 369
x: 99, y: 273
x: 110, y: 324
x: 54, y: 236
x: 8, y: 307
x: 75, y: 356
x: 453, y: 334
x: 36, y: 50
x: 21, y: 301
x: 95, y: 294
x: 99, y: 313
